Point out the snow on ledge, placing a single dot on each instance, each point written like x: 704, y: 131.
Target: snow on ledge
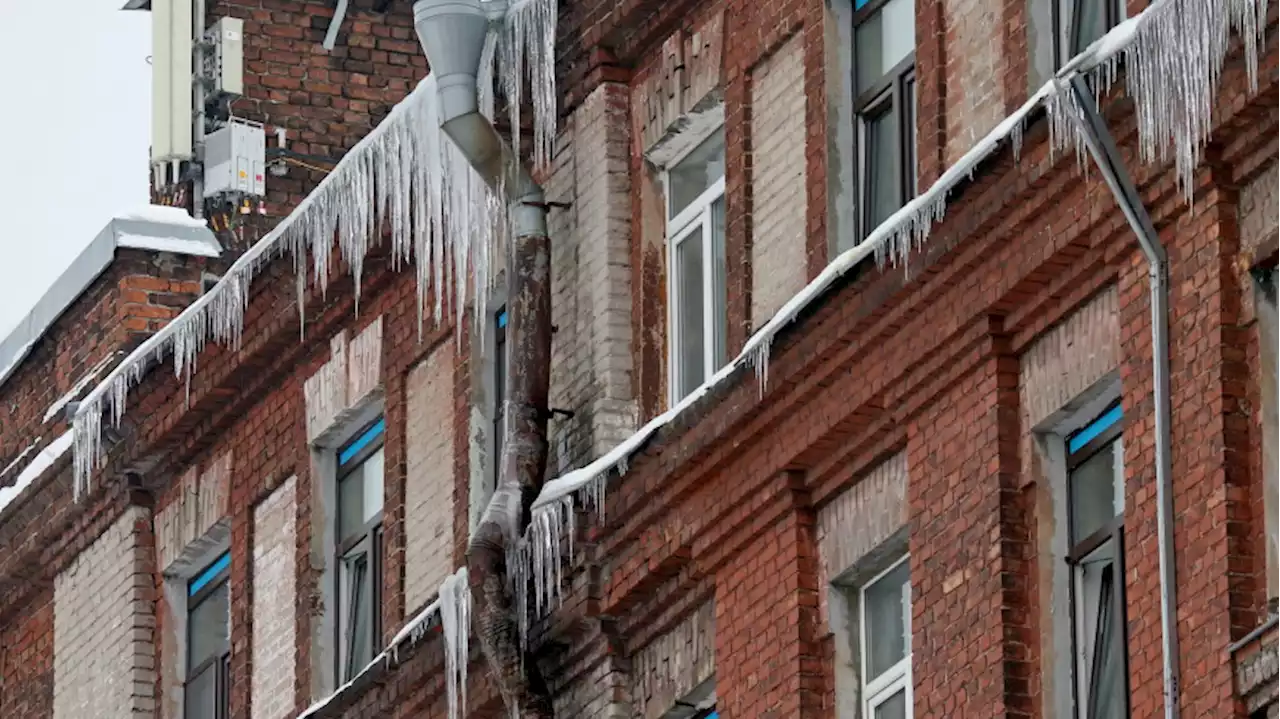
x: 35, y: 468
x: 154, y: 229
x: 176, y: 245
x: 78, y: 387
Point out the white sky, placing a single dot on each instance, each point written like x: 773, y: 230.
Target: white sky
x: 75, y: 117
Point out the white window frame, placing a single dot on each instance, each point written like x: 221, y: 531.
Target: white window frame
x: 680, y: 229
x: 897, y: 677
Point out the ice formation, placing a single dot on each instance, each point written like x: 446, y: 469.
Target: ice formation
x: 78, y: 387
x: 405, y: 176
x: 455, y: 618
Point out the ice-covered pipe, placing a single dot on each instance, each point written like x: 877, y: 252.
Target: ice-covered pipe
x: 452, y: 34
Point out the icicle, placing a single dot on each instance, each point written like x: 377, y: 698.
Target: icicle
x: 455, y: 618
x: 759, y: 361
x: 528, y: 41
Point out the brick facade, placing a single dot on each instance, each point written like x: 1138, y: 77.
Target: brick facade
x: 778, y: 264
x: 429, y: 487
x: 906, y: 411
x: 275, y: 579
x: 104, y: 625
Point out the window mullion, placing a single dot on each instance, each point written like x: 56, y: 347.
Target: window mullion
x: 708, y: 294
x: 673, y: 319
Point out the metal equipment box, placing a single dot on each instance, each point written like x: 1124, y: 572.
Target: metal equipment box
x: 235, y: 160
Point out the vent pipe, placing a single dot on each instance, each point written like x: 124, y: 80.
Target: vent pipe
x: 452, y: 34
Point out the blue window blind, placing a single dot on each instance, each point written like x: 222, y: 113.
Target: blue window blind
x: 502, y: 318
x: 364, y: 440
x: 201, y: 580
x: 1094, y: 428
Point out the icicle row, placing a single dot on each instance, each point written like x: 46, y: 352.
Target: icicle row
x: 527, y: 52
x: 405, y: 175
x: 1173, y: 54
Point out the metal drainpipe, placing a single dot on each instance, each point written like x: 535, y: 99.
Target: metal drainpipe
x: 197, y: 131
x: 452, y: 35
x: 1102, y: 147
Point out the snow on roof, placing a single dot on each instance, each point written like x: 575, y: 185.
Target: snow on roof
x: 162, y: 214
x: 36, y: 467
x: 154, y: 228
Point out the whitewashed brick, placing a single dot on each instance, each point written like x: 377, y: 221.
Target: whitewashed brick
x: 1070, y: 358
x: 778, y: 258
x: 104, y: 626
x: 862, y: 517
x: 591, y: 280
x: 1260, y: 207
x: 429, y: 481
x: 672, y: 665
x: 274, y: 600
x: 347, y: 383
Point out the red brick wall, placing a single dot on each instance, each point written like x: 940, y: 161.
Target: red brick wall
x: 723, y: 502
x: 136, y: 295
x: 326, y: 100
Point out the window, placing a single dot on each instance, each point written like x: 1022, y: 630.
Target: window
x: 1077, y: 23
x: 499, y: 390
x: 1095, y: 514
x: 358, y: 557
x: 884, y: 37
x: 885, y: 644
x: 695, y: 242
x: 207, y: 689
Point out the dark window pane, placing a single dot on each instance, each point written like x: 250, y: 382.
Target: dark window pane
x: 895, y: 707
x: 718, y: 296
x: 1088, y: 23
x: 351, y: 503
x: 360, y: 496
x: 207, y: 627
x: 1093, y: 493
x: 883, y: 40
x: 689, y: 316
x: 880, y: 173
x: 910, y: 123
x: 1099, y: 634
x: 1106, y: 688
x: 697, y: 172
x: 359, y: 611
x: 887, y: 620
x: 499, y: 393
x: 201, y: 695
